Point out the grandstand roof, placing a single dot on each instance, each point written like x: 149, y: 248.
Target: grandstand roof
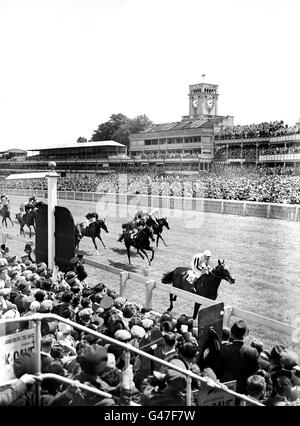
x: 179, y: 125
x: 78, y: 145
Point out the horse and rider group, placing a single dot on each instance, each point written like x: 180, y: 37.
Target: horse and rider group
x: 200, y: 278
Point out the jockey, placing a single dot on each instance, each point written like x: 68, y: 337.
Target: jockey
x: 155, y: 215
x: 4, y: 201
x: 30, y: 205
x: 91, y: 217
x: 201, y: 263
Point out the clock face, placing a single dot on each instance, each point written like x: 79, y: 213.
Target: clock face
x: 195, y: 102
x: 210, y: 103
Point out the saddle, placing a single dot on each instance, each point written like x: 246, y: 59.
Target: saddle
x: 191, y: 278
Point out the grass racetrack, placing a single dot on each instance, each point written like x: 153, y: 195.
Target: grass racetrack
x: 262, y: 255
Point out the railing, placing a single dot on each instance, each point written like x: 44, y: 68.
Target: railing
x: 168, y: 204
x: 37, y: 318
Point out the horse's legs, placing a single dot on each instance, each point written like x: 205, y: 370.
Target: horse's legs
x: 157, y: 239
x: 99, y: 236
x: 128, y: 253
x: 150, y: 249
x: 138, y: 251
x: 171, y: 303
x: 163, y: 240
x: 11, y: 221
x: 95, y: 245
x: 196, y: 309
x: 145, y: 253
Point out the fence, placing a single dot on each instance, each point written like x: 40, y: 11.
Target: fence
x: 166, y: 203
x: 37, y: 318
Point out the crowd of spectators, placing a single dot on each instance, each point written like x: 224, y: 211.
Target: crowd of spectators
x: 261, y: 130
x: 277, y: 185
x: 270, y: 377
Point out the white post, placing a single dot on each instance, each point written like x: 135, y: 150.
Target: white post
x: 52, y: 202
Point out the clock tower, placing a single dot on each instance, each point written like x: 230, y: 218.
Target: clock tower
x: 203, y: 100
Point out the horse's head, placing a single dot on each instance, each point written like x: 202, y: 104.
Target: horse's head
x: 148, y: 231
x: 151, y: 222
x: 164, y: 222
x: 222, y: 271
x: 103, y: 225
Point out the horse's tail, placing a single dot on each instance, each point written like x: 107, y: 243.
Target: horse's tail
x: 167, y: 278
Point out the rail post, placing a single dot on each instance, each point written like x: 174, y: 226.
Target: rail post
x: 123, y: 281
x: 269, y: 211
x: 188, y: 391
x: 227, y: 315
x: 38, y: 357
x: 149, y: 287
x: 52, y: 202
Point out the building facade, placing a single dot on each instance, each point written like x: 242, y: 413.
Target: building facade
x: 185, y: 144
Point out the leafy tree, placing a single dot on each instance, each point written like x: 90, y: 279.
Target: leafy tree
x: 81, y: 140
x: 119, y: 127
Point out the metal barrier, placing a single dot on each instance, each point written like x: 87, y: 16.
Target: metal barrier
x: 198, y: 204
x: 37, y: 318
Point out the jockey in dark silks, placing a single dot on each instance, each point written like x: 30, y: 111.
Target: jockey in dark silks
x: 31, y: 204
x: 138, y: 223
x: 91, y: 217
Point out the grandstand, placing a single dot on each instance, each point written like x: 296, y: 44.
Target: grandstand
x: 200, y: 142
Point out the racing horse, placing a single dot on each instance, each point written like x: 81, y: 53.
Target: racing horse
x: 141, y: 241
x: 93, y: 230
x: 207, y: 285
x: 136, y: 224
x: 28, y: 218
x: 5, y: 213
x: 157, y: 229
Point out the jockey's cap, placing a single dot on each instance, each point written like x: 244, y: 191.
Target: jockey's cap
x: 207, y: 253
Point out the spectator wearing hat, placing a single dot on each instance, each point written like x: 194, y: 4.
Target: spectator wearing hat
x: 24, y: 288
x: 165, y: 389
x: 64, y: 308
x: 47, y: 342
x: 93, y: 361
x: 169, y: 348
x: 288, y: 359
x: 25, y: 363
x: 264, y: 357
x: 238, y: 360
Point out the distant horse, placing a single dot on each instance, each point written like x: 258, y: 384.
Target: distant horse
x: 207, y: 285
x: 157, y: 230
x: 93, y: 230
x: 5, y: 213
x: 28, y: 218
x: 135, y: 224
x: 140, y: 241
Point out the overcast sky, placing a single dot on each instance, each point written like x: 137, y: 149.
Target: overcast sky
x: 67, y: 65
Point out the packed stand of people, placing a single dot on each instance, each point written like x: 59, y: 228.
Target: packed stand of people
x: 272, y: 185
x: 261, y: 130
x: 271, y: 378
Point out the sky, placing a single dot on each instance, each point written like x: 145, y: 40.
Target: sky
x: 68, y: 65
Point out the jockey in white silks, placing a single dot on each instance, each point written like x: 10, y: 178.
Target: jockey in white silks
x: 155, y: 214
x: 200, y: 265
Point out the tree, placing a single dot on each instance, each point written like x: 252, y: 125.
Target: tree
x: 81, y: 140
x: 119, y: 128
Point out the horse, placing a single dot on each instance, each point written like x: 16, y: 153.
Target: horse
x: 5, y: 213
x: 207, y: 285
x: 140, y: 241
x: 136, y: 224
x: 157, y: 229
x: 93, y: 230
x: 29, y: 217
